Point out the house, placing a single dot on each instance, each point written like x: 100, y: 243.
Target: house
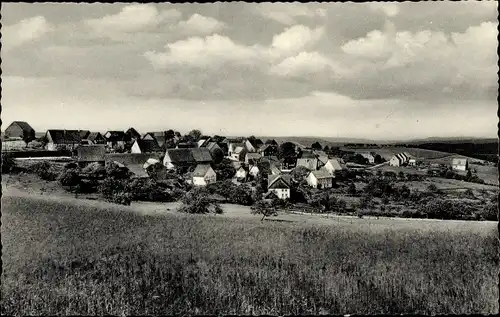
x: 460, y: 164
x: 249, y: 146
x: 275, y: 170
x: 320, y: 179
x: 84, y: 134
x: 145, y: 146
x: 369, y: 156
x: 254, y: 171
x: 309, y: 161
x: 235, y: 150
x: 62, y: 140
x: 20, y: 129
x: 87, y: 154
x: 412, y: 162
x: 241, y: 174
x: 186, y: 145
x: 116, y: 139
x: 160, y: 137
x: 257, y: 143
x: 268, y: 150
x: 132, y: 134
x: 203, y: 142
x: 399, y: 159
x: 279, y: 185
x: 216, y: 151
x: 288, y: 163
x: 252, y: 158
x: 272, y: 142
x: 333, y: 166
x: 175, y: 158
x: 93, y: 138
x: 13, y: 144
x: 204, y: 175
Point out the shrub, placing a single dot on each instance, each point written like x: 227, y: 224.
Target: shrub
x: 110, y: 186
x: 378, y: 187
x: 116, y: 171
x: 241, y: 195
x: 95, y: 170
x: 70, y: 165
x: 146, y: 190
x: 121, y: 198
x: 44, y: 170
x: 8, y: 164
x: 87, y: 186
x: 69, y: 177
x: 198, y: 201
x: 158, y: 171
x: 351, y: 190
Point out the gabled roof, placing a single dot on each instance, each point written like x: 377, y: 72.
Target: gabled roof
x: 147, y: 146
x: 335, y: 163
x: 64, y: 136
x: 212, y: 146
x: 201, y: 170
x: 132, y: 133
x: 201, y: 155
x: 321, y: 174
x: 203, y: 142
x: 180, y: 155
x: 191, y: 155
x: 253, y: 156
x: 275, y: 170
x: 84, y: 134
x: 94, y: 135
x: 308, y: 155
x: 278, y: 181
x: 91, y: 153
x: 23, y: 125
x: 271, y: 141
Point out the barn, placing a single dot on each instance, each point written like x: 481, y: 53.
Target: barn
x: 20, y: 129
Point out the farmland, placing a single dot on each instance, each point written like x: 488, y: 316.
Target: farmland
x: 67, y: 258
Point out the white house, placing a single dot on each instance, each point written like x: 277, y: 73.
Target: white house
x: 241, y: 173
x: 332, y: 166
x: 460, y: 164
x: 249, y: 146
x: 399, y: 159
x: 320, y: 179
x: 279, y: 185
x: 145, y: 146
x: 204, y: 175
x: 12, y: 144
x: 369, y: 156
x: 234, y: 150
x: 252, y: 158
x: 254, y: 171
x: 412, y: 162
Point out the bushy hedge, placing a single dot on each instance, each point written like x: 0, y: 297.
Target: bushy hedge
x: 8, y: 164
x: 198, y: 201
x: 44, y: 170
x: 236, y: 194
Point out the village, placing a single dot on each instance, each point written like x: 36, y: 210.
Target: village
x: 267, y: 170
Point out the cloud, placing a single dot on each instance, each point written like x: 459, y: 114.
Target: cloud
x: 198, y: 24
x: 428, y: 63
x: 389, y: 9
x: 287, y: 13
x: 131, y: 18
x: 296, y: 38
x: 303, y: 64
x: 25, y: 31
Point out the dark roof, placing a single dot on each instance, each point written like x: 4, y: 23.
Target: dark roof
x: 272, y: 141
x: 94, y: 135
x: 65, y: 136
x: 132, y: 133
x: 84, y: 134
x: 91, y: 153
x: 23, y: 125
x: 278, y: 181
x: 257, y: 143
x: 186, y: 145
x: 201, y: 170
x: 201, y: 155
x: 147, y: 146
x: 116, y: 136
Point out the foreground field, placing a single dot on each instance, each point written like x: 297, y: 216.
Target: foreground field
x: 63, y: 258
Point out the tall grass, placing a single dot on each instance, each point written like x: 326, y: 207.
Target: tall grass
x: 61, y: 259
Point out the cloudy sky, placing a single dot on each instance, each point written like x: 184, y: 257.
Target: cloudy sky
x: 372, y: 70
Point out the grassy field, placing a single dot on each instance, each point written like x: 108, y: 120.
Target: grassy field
x: 62, y: 258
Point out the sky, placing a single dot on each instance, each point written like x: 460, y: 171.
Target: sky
x: 381, y: 71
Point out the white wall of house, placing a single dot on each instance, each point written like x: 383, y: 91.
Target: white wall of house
x: 209, y: 178
x: 254, y: 171
x: 394, y: 161
x: 167, y: 161
x: 14, y: 145
x: 282, y: 193
x: 241, y: 173
x: 458, y: 167
x: 322, y: 182
x: 329, y: 167
x: 135, y: 148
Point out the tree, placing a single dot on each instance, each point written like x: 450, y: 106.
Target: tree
x: 177, y: 134
x: 217, y: 155
x: 316, y: 146
x: 169, y: 134
x: 195, y: 134
x: 8, y: 164
x: 326, y: 149
x: 299, y: 173
x: 286, y: 150
x: 379, y: 159
x: 401, y: 175
x: 119, y: 172
x: 198, y: 201
x: 224, y: 169
x: 264, y: 208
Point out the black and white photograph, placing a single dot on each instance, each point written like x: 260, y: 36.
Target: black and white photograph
x: 239, y: 158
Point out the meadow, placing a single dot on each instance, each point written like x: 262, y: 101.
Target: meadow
x: 62, y: 258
